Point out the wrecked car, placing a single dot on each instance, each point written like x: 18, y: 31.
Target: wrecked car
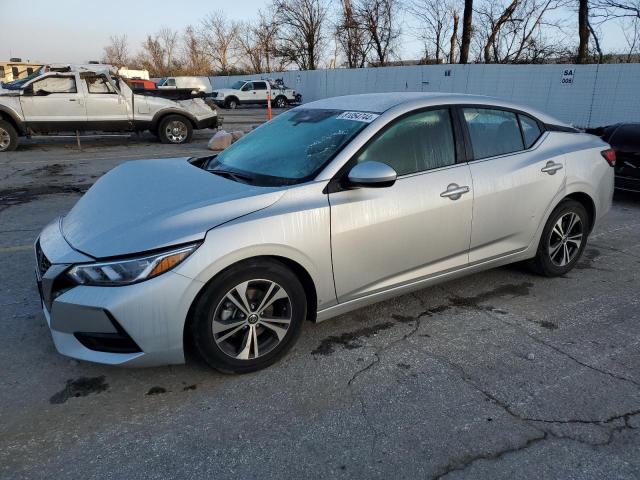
x: 94, y: 98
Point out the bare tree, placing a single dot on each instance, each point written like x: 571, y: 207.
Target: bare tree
x: 625, y: 14
x: 631, y: 31
x: 249, y: 47
x: 302, y: 35
x: 435, y: 17
x: 257, y: 45
x: 494, y: 24
x: 219, y: 39
x: 117, y: 52
x: 454, y: 37
x: 583, y: 31
x: 266, y: 33
x: 615, y: 9
x: 352, y: 37
x: 518, y: 31
x: 159, y: 53
x: 168, y: 39
x: 195, y: 61
x: 467, y: 30
x: 378, y: 17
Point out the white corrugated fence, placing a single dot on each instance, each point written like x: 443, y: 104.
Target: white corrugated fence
x: 583, y: 95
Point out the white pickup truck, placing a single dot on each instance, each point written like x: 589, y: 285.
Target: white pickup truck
x: 94, y: 98
x: 245, y: 92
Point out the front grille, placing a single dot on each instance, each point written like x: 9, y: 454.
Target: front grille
x: 42, y: 262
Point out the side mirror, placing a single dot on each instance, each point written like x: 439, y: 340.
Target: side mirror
x: 372, y: 175
x: 28, y: 90
x: 42, y: 93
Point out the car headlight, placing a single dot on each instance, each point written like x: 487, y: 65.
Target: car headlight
x: 219, y: 95
x: 129, y: 270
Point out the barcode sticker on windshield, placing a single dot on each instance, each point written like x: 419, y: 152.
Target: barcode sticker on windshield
x: 358, y: 116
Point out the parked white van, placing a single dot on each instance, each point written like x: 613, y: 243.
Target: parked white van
x: 201, y: 84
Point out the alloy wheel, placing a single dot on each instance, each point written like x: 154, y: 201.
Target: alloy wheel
x: 252, y: 319
x: 565, y: 239
x: 176, y: 131
x: 5, y: 139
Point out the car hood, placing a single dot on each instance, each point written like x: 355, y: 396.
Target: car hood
x: 149, y: 204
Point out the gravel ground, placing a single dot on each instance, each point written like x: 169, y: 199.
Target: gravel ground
x: 498, y: 375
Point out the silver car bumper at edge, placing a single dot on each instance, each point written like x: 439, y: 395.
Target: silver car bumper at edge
x: 133, y: 325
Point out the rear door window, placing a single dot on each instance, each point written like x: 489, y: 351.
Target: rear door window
x: 99, y: 84
x: 530, y: 130
x: 57, y: 84
x: 259, y: 86
x: 493, y: 132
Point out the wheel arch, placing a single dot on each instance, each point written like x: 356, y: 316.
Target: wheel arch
x: 162, y: 114
x: 298, y: 270
x: 9, y: 116
x: 587, y: 202
x: 229, y: 97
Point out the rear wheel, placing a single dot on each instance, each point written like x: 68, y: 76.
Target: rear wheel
x: 281, y: 102
x: 249, y: 316
x: 563, y: 239
x: 175, y: 129
x: 8, y: 137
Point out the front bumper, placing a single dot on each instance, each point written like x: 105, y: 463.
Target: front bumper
x: 133, y: 325
x: 211, y: 122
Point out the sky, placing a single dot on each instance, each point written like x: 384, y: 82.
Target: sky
x: 76, y: 31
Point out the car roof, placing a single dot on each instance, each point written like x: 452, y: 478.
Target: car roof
x: 381, y: 102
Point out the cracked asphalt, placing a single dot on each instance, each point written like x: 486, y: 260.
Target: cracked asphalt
x: 499, y: 375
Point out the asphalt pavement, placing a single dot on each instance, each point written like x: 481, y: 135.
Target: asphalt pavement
x: 499, y: 375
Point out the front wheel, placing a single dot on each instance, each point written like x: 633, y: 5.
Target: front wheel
x: 8, y: 137
x: 249, y: 316
x: 231, y: 103
x: 175, y: 129
x: 563, y: 239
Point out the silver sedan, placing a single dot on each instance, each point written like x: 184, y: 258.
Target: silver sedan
x: 333, y: 205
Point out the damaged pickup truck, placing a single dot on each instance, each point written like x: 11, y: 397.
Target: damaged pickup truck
x: 94, y: 98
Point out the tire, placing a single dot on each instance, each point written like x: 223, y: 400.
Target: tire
x: 558, y: 250
x: 281, y: 102
x: 225, y: 332
x: 8, y: 137
x: 231, y: 103
x: 175, y: 129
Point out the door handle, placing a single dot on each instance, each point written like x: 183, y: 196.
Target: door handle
x: 551, y: 168
x: 454, y: 192
x: 73, y: 100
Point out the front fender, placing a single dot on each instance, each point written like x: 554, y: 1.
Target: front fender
x: 296, y: 228
x: 12, y: 109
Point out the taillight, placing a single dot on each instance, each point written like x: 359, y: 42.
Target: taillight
x: 610, y: 156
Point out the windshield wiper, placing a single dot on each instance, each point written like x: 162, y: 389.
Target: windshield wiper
x: 238, y: 177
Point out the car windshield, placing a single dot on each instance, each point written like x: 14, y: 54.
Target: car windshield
x: 18, y: 84
x: 292, y: 148
x: 237, y: 85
